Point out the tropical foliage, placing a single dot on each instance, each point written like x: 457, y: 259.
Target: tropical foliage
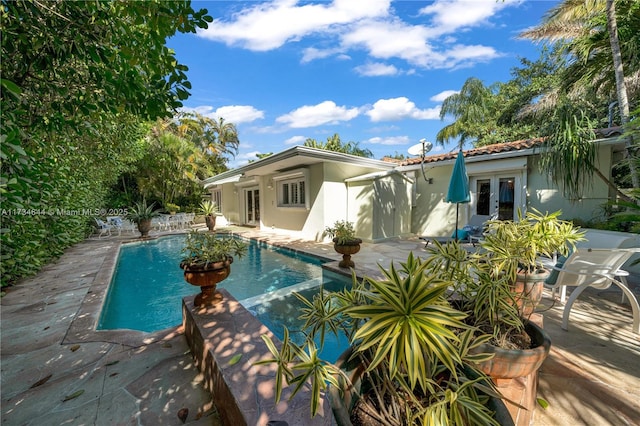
x: 79, y: 79
x: 342, y: 230
x: 334, y: 143
x: 203, y: 248
x: 417, y: 352
x: 587, y: 77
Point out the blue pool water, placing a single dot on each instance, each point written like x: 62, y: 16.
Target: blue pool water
x: 276, y: 312
x: 148, y: 284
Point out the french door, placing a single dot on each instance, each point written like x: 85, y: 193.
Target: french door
x: 252, y: 206
x: 496, y: 195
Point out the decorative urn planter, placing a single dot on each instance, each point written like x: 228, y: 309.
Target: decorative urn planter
x: 207, y: 278
x: 346, y: 249
x: 144, y: 226
x: 210, y: 220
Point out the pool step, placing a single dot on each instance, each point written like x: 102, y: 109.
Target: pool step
x: 281, y: 293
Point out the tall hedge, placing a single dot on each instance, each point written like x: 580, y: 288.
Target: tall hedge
x: 78, y: 80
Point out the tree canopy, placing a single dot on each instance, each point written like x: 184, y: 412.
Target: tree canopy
x: 334, y: 143
x: 79, y: 82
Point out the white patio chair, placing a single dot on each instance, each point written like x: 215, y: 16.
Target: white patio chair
x: 116, y: 223
x: 190, y: 219
x: 103, y: 228
x: 597, y: 268
x: 129, y: 227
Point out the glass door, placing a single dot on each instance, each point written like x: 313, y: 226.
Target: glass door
x: 252, y: 206
x: 495, y: 195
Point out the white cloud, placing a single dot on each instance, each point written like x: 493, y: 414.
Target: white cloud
x: 267, y: 26
x: 366, y: 25
x: 239, y: 113
x: 461, y: 53
x: 443, y: 95
x: 399, y: 109
x: 295, y: 140
x: 316, y: 115
x: 451, y: 15
x: 376, y: 69
x: 390, y: 140
x: 312, y: 53
x: 416, y: 44
x: 393, y: 38
x: 235, y: 114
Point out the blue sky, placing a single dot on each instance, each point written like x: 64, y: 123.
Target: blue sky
x: 373, y: 71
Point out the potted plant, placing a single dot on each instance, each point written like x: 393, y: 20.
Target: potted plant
x: 493, y: 287
x: 344, y: 240
x: 488, y: 298
x: 141, y: 214
x: 172, y: 208
x: 514, y: 248
x: 207, y: 261
x: 411, y: 360
x: 210, y: 210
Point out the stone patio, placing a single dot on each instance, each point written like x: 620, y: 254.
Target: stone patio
x: 55, y: 369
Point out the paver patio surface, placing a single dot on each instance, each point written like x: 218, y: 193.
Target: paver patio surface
x: 592, y: 376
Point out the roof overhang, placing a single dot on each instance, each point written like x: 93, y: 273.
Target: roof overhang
x: 295, y: 158
x: 616, y: 142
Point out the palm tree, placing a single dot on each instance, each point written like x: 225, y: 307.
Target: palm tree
x: 471, y: 106
x: 621, y: 88
x: 219, y: 138
x: 588, y: 30
x: 227, y: 137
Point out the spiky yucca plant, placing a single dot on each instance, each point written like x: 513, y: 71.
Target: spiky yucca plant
x: 415, y: 346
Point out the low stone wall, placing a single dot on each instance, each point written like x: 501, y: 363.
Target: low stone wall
x: 243, y: 393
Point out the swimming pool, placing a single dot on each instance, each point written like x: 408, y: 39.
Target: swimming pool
x: 279, y: 309
x: 148, y: 285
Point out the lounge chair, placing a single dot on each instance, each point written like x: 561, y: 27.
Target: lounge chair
x: 597, y: 268
x: 103, y: 228
x: 470, y: 233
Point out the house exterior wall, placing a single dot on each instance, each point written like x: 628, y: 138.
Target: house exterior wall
x: 377, y: 205
x: 229, y: 206
x: 544, y: 196
x: 328, y: 201
x: 430, y: 214
x: 360, y: 211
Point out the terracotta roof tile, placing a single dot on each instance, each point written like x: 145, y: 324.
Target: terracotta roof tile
x: 484, y: 150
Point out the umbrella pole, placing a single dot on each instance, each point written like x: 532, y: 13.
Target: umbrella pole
x: 456, y: 231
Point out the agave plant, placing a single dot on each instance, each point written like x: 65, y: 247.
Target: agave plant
x: 141, y: 211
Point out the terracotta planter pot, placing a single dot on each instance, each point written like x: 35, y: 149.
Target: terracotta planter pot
x: 144, y: 226
x: 207, y: 278
x: 346, y: 250
x: 343, y: 399
x: 211, y: 222
x: 510, y: 363
x: 528, y: 289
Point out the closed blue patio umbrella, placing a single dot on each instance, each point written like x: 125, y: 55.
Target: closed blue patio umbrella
x: 458, y: 186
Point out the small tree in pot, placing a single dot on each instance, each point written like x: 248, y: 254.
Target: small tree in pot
x: 344, y: 240
x: 513, y: 248
x: 210, y: 211
x: 142, y: 214
x: 207, y: 261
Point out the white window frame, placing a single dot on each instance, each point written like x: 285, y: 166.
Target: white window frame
x: 293, y: 184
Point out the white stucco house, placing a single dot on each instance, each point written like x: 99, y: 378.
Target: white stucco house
x: 301, y: 190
